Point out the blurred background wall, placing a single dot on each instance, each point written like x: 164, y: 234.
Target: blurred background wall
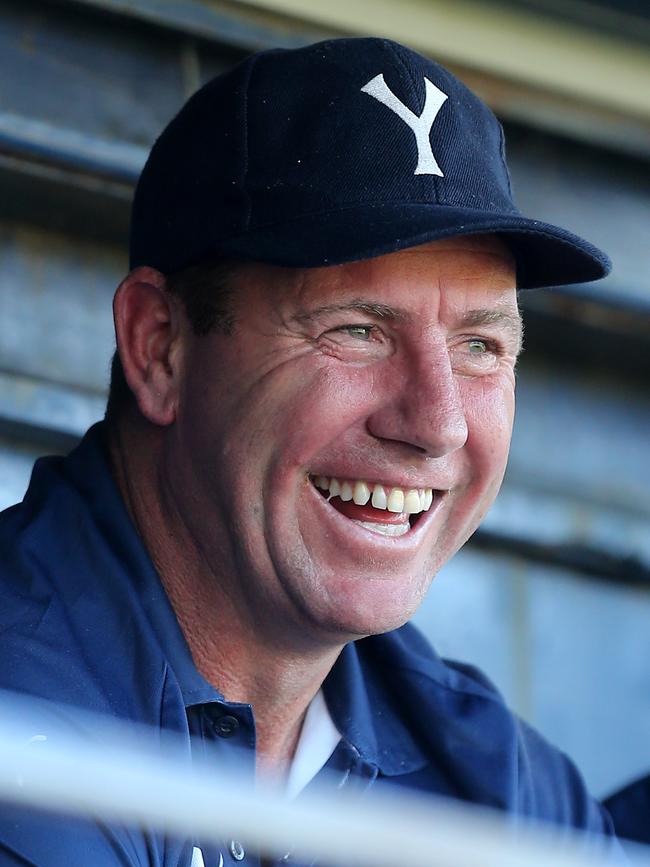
x: 552, y: 597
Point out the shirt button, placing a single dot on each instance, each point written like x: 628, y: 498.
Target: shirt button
x: 226, y: 726
x: 237, y: 850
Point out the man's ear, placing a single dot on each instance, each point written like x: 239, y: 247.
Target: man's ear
x: 147, y: 329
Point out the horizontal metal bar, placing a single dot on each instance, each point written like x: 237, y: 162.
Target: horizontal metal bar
x: 584, y: 560
x: 555, y: 104
x: 46, y: 413
x: 68, y: 147
x: 515, y: 44
x: 625, y: 18
x: 595, y: 305
x: 15, y: 170
x: 232, y: 24
x: 123, y: 773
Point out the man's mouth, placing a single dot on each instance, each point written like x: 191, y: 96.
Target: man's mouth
x: 382, y: 509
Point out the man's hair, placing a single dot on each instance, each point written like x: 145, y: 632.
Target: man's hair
x: 206, y: 293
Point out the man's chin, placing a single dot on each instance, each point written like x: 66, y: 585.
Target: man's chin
x: 373, y: 606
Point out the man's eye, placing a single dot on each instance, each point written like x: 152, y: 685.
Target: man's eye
x: 478, y: 347
x: 474, y: 356
x: 355, y: 342
x: 361, y: 332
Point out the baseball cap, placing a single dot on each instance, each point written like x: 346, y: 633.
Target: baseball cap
x: 338, y: 151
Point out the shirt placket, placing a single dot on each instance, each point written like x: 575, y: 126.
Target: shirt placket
x: 227, y: 732
x: 226, y: 738
x: 347, y: 769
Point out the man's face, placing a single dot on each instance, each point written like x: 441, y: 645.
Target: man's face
x: 390, y: 375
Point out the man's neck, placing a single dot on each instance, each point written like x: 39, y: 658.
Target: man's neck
x: 238, y: 656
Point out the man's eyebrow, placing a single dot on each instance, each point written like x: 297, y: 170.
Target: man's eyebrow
x: 509, y: 319
x: 473, y: 318
x: 380, y: 311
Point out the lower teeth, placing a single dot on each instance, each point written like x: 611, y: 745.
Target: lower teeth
x: 385, y: 529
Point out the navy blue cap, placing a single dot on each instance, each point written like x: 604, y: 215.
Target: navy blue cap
x: 339, y: 151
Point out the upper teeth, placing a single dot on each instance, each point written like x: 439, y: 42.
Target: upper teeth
x: 410, y: 501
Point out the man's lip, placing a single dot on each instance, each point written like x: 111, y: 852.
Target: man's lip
x: 367, y: 513
x: 410, y: 540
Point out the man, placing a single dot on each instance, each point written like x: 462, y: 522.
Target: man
x: 310, y: 413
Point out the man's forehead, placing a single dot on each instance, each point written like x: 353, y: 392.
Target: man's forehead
x: 451, y: 277
x: 470, y: 262
x: 483, y: 253
x: 479, y: 248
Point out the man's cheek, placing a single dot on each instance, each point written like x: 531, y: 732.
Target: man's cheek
x: 489, y: 410
x: 326, y: 406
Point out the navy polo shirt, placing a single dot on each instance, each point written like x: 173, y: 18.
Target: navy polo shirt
x: 85, y: 621
x: 630, y: 810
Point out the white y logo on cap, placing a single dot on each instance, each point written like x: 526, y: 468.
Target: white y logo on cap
x: 419, y: 126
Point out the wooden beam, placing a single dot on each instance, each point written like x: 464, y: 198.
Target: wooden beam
x: 518, y: 45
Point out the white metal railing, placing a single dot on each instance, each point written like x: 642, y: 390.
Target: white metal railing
x: 125, y: 774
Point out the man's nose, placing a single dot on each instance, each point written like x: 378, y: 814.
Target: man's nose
x: 424, y: 407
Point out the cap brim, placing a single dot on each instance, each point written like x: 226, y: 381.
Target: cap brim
x: 546, y: 255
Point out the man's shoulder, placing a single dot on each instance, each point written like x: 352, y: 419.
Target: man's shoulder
x: 453, y: 734
x: 406, y: 654
x: 46, y: 532
x: 31, y: 539
x: 47, y: 543
x: 73, y: 628
x: 442, y: 702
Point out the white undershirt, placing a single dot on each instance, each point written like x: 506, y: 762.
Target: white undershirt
x: 318, y: 740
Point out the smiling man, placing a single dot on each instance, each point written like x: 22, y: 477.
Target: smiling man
x: 310, y: 413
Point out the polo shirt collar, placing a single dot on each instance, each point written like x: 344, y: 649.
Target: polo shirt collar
x: 366, y: 718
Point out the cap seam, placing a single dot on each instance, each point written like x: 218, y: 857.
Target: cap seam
x: 395, y: 49
x: 502, y: 153
x: 245, y: 158
x: 405, y: 68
